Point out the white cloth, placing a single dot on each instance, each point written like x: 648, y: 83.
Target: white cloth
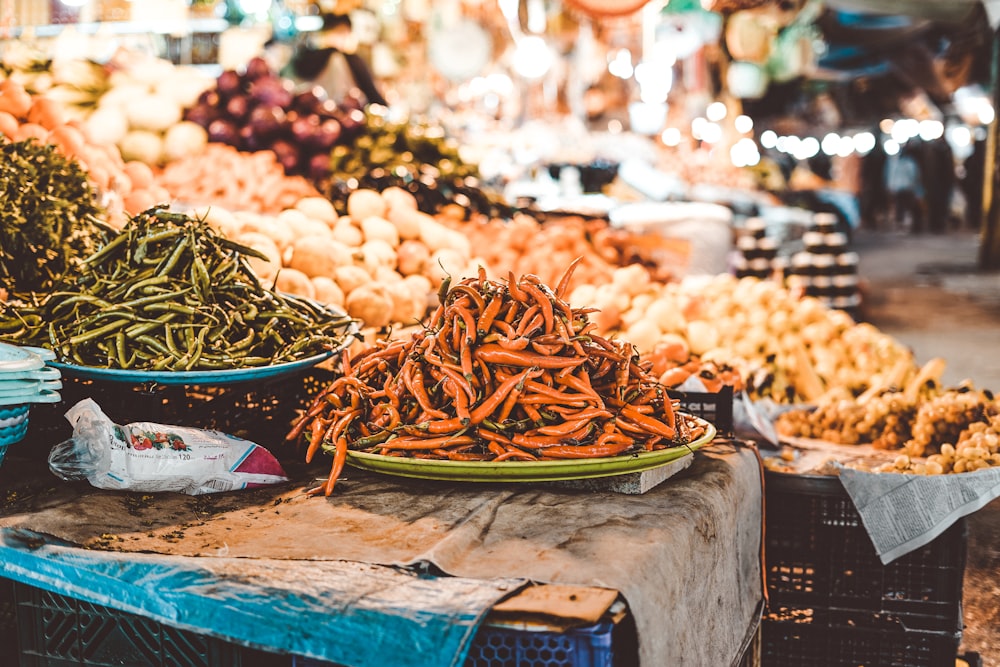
x: 336, y: 78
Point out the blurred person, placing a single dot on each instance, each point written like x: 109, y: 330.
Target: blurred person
x: 905, y: 188
x: 972, y: 183
x: 873, y: 197
x: 331, y: 63
x: 937, y: 172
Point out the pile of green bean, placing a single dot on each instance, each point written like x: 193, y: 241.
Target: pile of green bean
x: 170, y: 294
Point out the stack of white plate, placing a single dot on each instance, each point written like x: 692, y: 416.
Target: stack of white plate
x: 24, y: 379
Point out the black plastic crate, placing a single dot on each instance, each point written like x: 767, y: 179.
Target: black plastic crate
x: 818, y: 555
x: 58, y: 631
x: 802, y: 637
x: 8, y: 624
x: 260, y: 411
x: 713, y: 407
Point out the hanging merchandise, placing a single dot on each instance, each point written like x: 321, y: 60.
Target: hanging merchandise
x: 750, y: 35
x: 685, y: 27
x: 729, y: 6
x: 458, y: 50
x: 607, y: 8
x: 746, y: 80
x: 794, y: 52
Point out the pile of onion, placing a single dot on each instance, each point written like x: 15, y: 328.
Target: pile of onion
x: 255, y: 109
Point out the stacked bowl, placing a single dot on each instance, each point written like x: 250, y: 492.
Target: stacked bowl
x: 24, y: 379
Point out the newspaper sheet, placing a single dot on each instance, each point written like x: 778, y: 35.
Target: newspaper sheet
x: 904, y: 512
x: 900, y: 512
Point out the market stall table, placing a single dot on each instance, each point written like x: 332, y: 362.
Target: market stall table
x: 685, y: 556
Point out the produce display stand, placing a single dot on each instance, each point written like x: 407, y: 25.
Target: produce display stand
x: 91, y: 576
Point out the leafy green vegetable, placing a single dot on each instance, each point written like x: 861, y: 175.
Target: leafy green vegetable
x: 48, y: 216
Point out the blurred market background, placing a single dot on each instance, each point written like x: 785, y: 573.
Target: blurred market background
x: 758, y: 106
x: 694, y: 138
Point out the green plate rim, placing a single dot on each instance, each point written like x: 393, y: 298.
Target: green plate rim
x: 527, y: 471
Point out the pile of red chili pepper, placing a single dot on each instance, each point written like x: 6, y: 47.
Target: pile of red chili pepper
x: 501, y: 371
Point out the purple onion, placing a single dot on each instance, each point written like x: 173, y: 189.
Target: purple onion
x: 304, y: 128
x: 256, y: 68
x: 223, y: 131
x: 270, y: 91
x: 266, y: 121
x: 202, y: 114
x: 228, y: 83
x: 309, y: 101
x: 326, y: 135
x: 237, y: 107
x: 319, y: 166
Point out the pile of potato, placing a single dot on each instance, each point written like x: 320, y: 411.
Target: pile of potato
x: 792, y: 349
x: 125, y: 187
x: 382, y: 262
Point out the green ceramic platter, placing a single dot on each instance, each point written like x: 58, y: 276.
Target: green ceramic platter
x: 525, y: 471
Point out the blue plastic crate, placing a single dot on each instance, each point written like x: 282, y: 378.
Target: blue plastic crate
x: 506, y: 647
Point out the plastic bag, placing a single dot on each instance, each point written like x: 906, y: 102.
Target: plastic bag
x: 148, y: 457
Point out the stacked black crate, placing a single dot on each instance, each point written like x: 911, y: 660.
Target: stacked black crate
x: 826, y: 268
x: 831, y: 600
x: 756, y: 253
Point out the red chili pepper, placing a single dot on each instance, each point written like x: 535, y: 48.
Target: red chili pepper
x: 563, y: 285
x: 648, y: 423
x: 515, y: 453
x: 486, y: 408
x: 516, y: 292
x: 413, y: 379
x: 474, y: 296
x: 488, y: 315
x: 543, y: 302
x: 611, y: 448
x: 428, y: 443
x: 494, y: 354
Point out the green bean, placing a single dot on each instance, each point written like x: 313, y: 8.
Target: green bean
x: 147, y: 282
x: 244, y: 343
x: 151, y: 342
x: 249, y: 313
x: 174, y: 257
x: 198, y: 346
x: 200, y: 278
x: 163, y: 235
x: 146, y: 301
x: 285, y: 315
x: 240, y: 249
x: 97, y: 333
x: 12, y: 326
x: 73, y: 299
x: 108, y: 248
x: 140, y: 329
x: 170, y: 308
x: 170, y: 293
x: 120, y: 349
x: 163, y: 363
x: 168, y: 337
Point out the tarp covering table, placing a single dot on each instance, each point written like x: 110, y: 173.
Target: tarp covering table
x: 308, y: 609
x: 685, y: 555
